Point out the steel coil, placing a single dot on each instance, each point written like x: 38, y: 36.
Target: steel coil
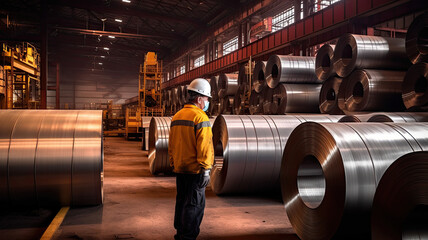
x: 364, y: 117
x: 417, y: 39
x: 255, y: 106
x: 328, y: 98
x: 415, y: 86
x: 295, y: 98
x: 267, y: 101
x: 373, y: 90
x: 399, y: 117
x: 239, y: 102
x: 360, y: 51
x: 324, y: 68
x: 158, y: 145
x: 227, y: 84
x: 329, y: 173
x: 248, y: 150
x: 51, y: 158
x: 214, y: 89
x: 259, y: 80
x: 400, y: 203
x: 290, y: 69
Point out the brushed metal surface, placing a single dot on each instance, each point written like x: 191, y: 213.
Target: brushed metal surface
x: 296, y: 98
x: 417, y: 39
x: 227, y: 84
x: 360, y: 51
x: 258, y: 78
x: 335, y: 195
x: 328, y: 99
x: 290, y: 69
x: 324, y: 68
x: 158, y: 145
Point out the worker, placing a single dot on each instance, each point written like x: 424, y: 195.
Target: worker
x: 191, y: 154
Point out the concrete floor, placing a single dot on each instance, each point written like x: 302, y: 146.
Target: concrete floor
x: 138, y: 205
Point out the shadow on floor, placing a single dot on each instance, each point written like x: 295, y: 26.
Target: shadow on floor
x: 255, y: 237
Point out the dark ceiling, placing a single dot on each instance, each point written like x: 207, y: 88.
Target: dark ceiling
x: 81, y: 31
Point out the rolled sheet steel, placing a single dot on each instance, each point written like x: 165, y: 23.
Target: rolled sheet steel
x: 290, y: 69
x: 399, y: 117
x: 51, y: 158
x: 324, y: 68
x: 364, y: 117
x: 158, y: 145
x: 374, y: 90
x: 330, y: 172
x: 360, y: 51
x: 266, y: 101
x: 417, y: 39
x: 328, y: 98
x: 227, y: 84
x: 255, y: 106
x: 415, y: 86
x: 400, y: 203
x: 296, y: 98
x: 259, y: 80
x: 248, y: 150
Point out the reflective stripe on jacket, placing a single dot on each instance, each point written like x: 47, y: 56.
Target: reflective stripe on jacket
x: 190, y: 144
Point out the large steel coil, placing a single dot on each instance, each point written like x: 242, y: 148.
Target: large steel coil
x: 214, y: 89
x: 415, y: 86
x: 290, y: 69
x: 295, y: 98
x: 373, y: 90
x: 330, y: 172
x: 324, y: 68
x: 417, y: 39
x: 182, y: 95
x: 364, y: 117
x: 248, y: 150
x: 258, y: 78
x: 328, y: 98
x: 360, y: 51
x: 399, y: 117
x: 51, y: 158
x: 227, y: 84
x: 400, y: 204
x: 267, y: 101
x: 158, y: 145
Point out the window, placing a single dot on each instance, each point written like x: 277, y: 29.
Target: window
x: 283, y: 19
x: 199, y: 61
x: 324, y: 3
x: 230, y: 45
x: 183, y: 69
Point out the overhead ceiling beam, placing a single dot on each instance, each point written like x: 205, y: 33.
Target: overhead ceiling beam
x: 118, y: 8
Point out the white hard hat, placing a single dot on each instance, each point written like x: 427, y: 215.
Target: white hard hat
x: 201, y: 86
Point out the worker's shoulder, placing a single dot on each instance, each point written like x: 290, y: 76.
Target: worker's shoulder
x: 191, y: 114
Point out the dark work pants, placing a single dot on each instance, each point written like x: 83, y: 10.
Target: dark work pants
x: 189, y: 206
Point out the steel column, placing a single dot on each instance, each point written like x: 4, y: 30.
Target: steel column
x: 44, y: 55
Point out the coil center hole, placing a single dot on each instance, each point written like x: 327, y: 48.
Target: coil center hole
x: 275, y: 71
x: 415, y: 223
x: 218, y: 156
x: 346, y: 55
x: 261, y: 76
x: 421, y: 85
x: 358, y: 90
x: 331, y: 95
x: 423, y: 41
x: 325, y: 62
x: 311, y: 182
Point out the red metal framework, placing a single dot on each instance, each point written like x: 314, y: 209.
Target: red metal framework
x: 329, y: 23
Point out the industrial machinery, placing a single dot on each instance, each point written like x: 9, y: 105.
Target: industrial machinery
x: 19, y: 77
x: 149, y: 96
x: 113, y: 119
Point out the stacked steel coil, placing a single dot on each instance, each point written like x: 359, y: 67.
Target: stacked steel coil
x: 415, y: 86
x: 51, y: 158
x: 295, y: 98
x: 396, y: 117
x: 248, y: 150
x: 372, y: 90
x: 324, y: 68
x: 360, y: 51
x: 158, y: 145
x: 182, y: 95
x: 258, y: 78
x: 364, y: 117
x: 328, y: 98
x: 227, y: 85
x: 330, y: 172
x: 290, y: 69
x: 267, y: 101
x: 417, y: 39
x: 400, y: 203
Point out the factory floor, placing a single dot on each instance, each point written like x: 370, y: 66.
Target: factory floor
x: 138, y: 205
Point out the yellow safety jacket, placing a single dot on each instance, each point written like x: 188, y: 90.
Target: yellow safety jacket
x: 190, y: 144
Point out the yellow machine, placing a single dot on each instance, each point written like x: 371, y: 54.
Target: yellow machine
x: 149, y: 96
x: 20, y: 77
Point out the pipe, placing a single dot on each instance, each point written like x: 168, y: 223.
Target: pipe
x: 415, y: 86
x: 296, y: 98
x: 359, y: 51
x: 330, y: 172
x: 290, y: 69
x: 328, y: 99
x: 259, y: 80
x: 417, y: 39
x: 324, y: 68
x: 51, y: 157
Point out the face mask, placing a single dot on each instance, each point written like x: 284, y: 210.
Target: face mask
x: 207, y: 104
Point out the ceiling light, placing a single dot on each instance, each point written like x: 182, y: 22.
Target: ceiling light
x: 126, y: 1
x: 111, y: 36
x: 118, y: 20
x: 100, y: 63
x: 103, y: 56
x: 106, y: 48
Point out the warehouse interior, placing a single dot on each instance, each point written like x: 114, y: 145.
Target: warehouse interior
x: 318, y: 113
